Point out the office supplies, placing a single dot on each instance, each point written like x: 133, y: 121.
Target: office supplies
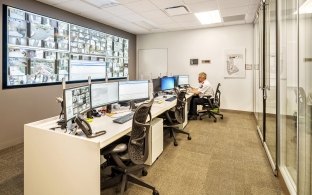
x: 124, y: 118
x: 167, y: 83
x: 171, y: 99
x: 86, y: 128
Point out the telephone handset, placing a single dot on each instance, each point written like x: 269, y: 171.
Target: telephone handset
x: 86, y: 128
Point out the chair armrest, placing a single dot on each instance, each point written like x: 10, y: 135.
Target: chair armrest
x: 136, y: 141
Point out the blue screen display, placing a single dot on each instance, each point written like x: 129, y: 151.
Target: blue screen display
x: 167, y: 83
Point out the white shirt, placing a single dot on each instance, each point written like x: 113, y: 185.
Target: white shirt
x: 205, y: 89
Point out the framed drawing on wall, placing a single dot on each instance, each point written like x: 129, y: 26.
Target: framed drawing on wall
x: 235, y: 63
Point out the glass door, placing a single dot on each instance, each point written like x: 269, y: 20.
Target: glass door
x: 258, y: 71
x: 305, y: 98
x: 270, y: 82
x: 288, y: 91
x: 265, y: 78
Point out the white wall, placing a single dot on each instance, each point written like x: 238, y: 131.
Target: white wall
x: 211, y: 43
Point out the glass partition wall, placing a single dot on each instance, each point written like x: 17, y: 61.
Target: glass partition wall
x: 283, y: 88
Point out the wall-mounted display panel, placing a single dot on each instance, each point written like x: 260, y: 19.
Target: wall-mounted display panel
x: 39, y: 50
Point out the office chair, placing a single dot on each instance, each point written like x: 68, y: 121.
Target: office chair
x: 129, y: 159
x: 175, y: 117
x: 212, y: 107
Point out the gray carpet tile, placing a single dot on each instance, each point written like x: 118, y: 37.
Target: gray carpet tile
x: 225, y: 157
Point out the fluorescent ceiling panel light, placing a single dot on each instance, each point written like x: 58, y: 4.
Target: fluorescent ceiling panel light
x: 102, y: 3
x: 210, y: 17
x: 305, y: 8
x: 177, y: 10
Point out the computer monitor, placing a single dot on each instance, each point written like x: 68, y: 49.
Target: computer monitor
x: 183, y: 80
x: 133, y: 90
x: 77, y: 100
x: 156, y: 85
x: 167, y: 83
x: 103, y: 94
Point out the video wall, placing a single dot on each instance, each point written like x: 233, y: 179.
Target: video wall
x: 38, y: 50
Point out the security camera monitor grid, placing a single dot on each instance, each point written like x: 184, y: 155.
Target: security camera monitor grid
x: 104, y: 94
x: 77, y: 101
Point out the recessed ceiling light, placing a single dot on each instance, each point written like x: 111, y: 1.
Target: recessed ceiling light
x: 305, y: 8
x: 209, y: 17
x: 102, y: 3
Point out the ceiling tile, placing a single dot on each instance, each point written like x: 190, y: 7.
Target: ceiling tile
x: 234, y: 11
x: 142, y: 6
x: 189, y: 2
x: 154, y: 14
x: 126, y: 1
x: 231, y: 3
x: 162, y: 20
x: 162, y: 4
x: 204, y: 6
x: 185, y: 18
x: 52, y: 2
x: 119, y: 10
x: 132, y: 17
x: 68, y: 6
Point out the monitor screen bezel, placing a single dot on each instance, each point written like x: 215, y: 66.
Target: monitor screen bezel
x: 65, y: 104
x: 126, y: 100
x: 93, y: 107
x: 178, y: 82
x: 167, y: 78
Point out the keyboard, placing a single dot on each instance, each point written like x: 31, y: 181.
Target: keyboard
x: 123, y: 119
x: 171, y: 99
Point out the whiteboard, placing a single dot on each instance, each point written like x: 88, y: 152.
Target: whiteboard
x: 152, y: 63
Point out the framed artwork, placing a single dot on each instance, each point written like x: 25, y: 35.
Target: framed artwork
x: 235, y: 63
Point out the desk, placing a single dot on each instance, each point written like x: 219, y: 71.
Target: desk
x: 59, y: 163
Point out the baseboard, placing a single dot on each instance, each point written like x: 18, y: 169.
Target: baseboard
x: 236, y: 111
x: 11, y: 143
x: 282, y: 183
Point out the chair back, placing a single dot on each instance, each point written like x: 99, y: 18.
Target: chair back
x: 180, y: 107
x: 138, y: 143
x: 217, y: 97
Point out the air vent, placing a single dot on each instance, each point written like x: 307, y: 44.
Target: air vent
x: 234, y: 18
x: 177, y: 10
x: 102, y: 3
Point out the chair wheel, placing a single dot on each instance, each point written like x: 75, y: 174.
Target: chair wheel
x: 155, y: 192
x: 189, y: 137
x: 175, y: 143
x: 144, y: 172
x: 200, y: 119
x: 215, y: 120
x: 221, y: 117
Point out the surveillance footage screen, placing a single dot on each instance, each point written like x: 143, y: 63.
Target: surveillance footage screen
x: 77, y: 100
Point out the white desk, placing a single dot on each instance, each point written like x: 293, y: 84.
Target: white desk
x: 59, y: 163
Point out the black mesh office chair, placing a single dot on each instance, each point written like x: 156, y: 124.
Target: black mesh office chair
x: 130, y: 159
x: 175, y: 117
x: 212, y: 107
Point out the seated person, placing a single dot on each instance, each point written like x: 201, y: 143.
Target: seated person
x: 204, y: 89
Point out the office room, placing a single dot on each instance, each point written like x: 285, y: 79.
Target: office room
x: 155, y: 97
